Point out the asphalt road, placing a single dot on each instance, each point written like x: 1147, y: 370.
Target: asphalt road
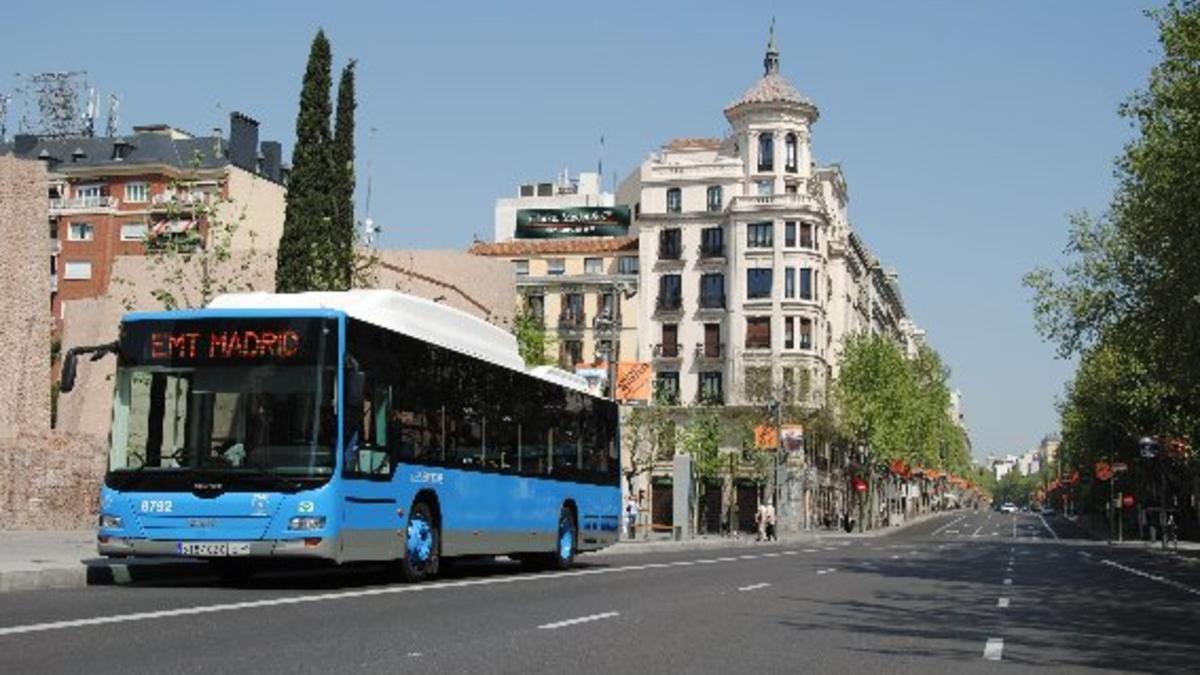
x: 963, y: 592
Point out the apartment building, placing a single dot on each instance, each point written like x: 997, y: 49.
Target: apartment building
x: 751, y: 272
x: 108, y: 196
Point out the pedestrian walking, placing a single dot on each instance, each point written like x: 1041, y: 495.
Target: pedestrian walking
x: 769, y: 517
x: 630, y: 516
x: 760, y: 519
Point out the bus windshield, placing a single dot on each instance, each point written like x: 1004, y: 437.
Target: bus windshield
x: 187, y: 399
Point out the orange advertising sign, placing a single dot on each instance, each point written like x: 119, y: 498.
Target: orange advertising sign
x: 633, y: 381
x: 766, y: 437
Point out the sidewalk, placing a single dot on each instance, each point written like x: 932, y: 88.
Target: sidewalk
x: 40, y: 560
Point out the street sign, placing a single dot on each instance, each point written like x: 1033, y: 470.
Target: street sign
x: 766, y: 437
x: 1103, y: 471
x: 1127, y: 501
x: 860, y: 485
x: 1120, y: 467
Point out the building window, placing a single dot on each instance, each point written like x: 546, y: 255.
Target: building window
x: 88, y: 191
x: 674, y: 200
x: 758, y: 283
x: 789, y: 144
x: 607, y: 307
x: 521, y: 267
x: 808, y: 237
x: 789, y: 234
x: 593, y: 266
x: 571, y: 354
x: 760, y: 235
x: 789, y: 282
x: 133, y: 232
x: 137, y: 192
x: 670, y: 292
x: 758, y: 332
x: 712, y: 242
x: 556, y: 266
x: 535, y: 305
x: 572, y: 311
x: 789, y: 333
x: 789, y: 189
x: 81, y: 232
x: 712, y: 340
x: 714, y: 198
x: 670, y: 244
x: 766, y: 152
x: 806, y: 332
x: 712, y: 291
x: 77, y: 270
x: 670, y: 340
x: 627, y: 264
x: 764, y: 188
x: 710, y: 389
x: 666, y: 387
x: 806, y: 283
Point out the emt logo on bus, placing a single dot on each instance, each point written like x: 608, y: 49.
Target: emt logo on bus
x: 229, y: 344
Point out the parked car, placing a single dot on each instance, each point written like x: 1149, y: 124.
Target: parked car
x: 1008, y: 507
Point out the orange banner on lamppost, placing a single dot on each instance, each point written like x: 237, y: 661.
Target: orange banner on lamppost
x: 633, y: 381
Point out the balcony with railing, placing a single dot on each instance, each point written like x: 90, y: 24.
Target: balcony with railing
x: 180, y: 199
x: 710, y: 351
x: 785, y: 201
x: 571, y: 321
x: 712, y: 301
x: 670, y: 302
x: 606, y: 321
x: 82, y: 205
x: 711, y: 253
x: 670, y: 252
x: 666, y: 351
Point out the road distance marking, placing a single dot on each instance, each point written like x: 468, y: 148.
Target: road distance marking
x: 827, y: 571
x: 948, y: 524
x: 993, y: 649
x: 1002, y: 603
x: 582, y: 619
x: 753, y: 587
x: 1008, y: 582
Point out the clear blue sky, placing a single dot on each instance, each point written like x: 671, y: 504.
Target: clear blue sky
x: 967, y: 131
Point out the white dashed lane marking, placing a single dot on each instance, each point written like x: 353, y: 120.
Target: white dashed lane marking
x: 582, y: 619
x: 1002, y: 603
x: 993, y: 649
x: 754, y: 587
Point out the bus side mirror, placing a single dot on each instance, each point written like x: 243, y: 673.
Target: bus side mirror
x: 68, y: 372
x: 70, y: 360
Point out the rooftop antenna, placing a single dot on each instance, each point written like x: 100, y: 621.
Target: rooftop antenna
x: 51, y: 103
x: 114, y: 107
x: 600, y: 164
x: 4, y: 99
x: 89, y: 115
x: 370, y: 230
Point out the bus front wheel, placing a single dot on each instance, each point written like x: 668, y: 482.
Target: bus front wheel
x: 566, y: 544
x: 421, y: 544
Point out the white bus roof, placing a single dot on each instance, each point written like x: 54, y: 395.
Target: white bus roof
x: 413, y: 316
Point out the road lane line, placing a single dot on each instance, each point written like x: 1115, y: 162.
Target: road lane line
x: 976, y: 532
x: 342, y: 595
x: 1008, y: 582
x: 827, y: 571
x: 1152, y: 577
x: 810, y: 550
x: 948, y: 524
x: 753, y: 587
x: 993, y: 649
x: 582, y: 619
x: 790, y: 552
x: 1002, y: 603
x: 1047, y: 526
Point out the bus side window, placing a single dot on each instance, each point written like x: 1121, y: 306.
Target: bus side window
x: 535, y: 428
x: 568, y: 441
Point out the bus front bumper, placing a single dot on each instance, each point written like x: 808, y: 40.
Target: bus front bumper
x: 312, y: 547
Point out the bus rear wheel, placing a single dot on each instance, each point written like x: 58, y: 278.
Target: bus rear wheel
x: 422, y: 542
x: 565, y: 545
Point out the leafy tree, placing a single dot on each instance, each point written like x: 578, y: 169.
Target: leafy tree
x: 532, y: 341
x: 310, y: 209
x: 702, y: 440
x: 1124, y: 299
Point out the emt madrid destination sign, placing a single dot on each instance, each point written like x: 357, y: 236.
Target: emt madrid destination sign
x: 579, y: 221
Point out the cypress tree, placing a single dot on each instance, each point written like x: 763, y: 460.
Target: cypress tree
x: 308, y: 212
x: 342, y: 237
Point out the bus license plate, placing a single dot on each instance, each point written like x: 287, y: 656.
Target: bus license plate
x: 214, y: 549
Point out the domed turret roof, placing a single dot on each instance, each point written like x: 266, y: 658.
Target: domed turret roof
x: 773, y: 87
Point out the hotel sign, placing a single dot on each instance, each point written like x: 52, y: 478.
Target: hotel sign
x: 580, y: 221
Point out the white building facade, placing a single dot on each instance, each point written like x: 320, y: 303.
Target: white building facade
x: 563, y: 193
x: 751, y: 275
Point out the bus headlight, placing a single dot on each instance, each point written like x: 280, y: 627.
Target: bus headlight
x: 108, y: 522
x: 307, y: 523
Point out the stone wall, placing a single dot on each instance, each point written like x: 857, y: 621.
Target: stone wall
x: 24, y: 298
x: 50, y: 480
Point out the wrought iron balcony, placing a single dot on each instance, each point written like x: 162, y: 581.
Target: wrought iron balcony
x: 666, y: 350
x: 571, y: 320
x: 669, y: 303
x: 712, y: 301
x: 710, y: 350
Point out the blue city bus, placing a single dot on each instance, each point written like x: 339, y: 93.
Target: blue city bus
x: 356, y: 426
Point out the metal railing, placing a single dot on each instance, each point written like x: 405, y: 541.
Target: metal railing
x: 710, y: 350
x: 665, y: 350
x: 82, y: 204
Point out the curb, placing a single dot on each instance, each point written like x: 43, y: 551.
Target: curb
x: 44, y: 579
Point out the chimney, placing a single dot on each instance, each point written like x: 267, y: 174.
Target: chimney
x: 24, y: 144
x: 272, y: 154
x: 243, y: 141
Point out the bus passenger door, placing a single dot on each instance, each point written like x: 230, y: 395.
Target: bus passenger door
x: 372, y: 528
